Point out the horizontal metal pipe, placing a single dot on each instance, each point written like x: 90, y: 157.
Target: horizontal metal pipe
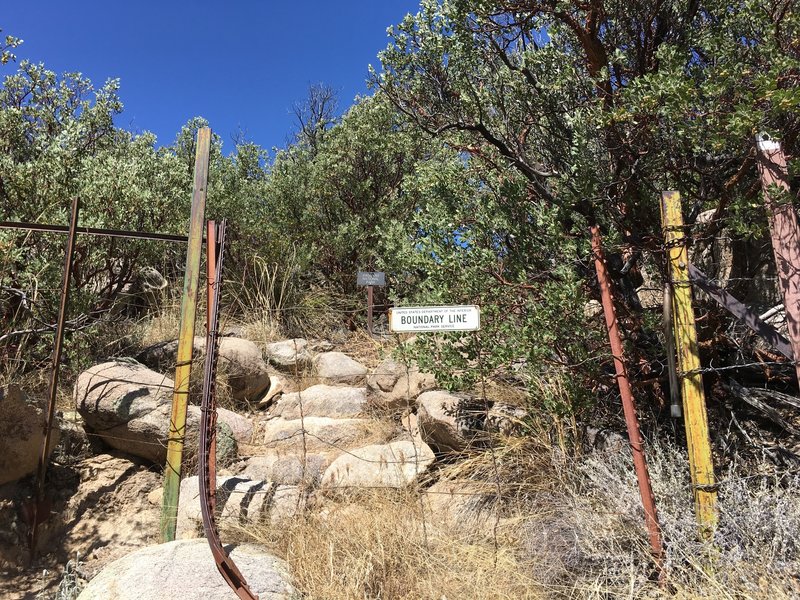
x: 142, y: 235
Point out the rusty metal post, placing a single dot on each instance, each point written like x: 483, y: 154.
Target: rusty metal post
x: 369, y: 309
x: 628, y: 403
x: 38, y: 505
x: 207, y: 476
x: 695, y: 417
x: 784, y: 231
x: 177, y: 427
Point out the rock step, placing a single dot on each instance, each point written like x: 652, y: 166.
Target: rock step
x: 392, y: 465
x: 322, y: 434
x: 238, y: 500
x: 322, y: 401
x: 289, y: 469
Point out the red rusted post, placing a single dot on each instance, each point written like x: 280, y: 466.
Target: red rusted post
x: 38, y: 505
x: 628, y: 404
x: 208, y: 420
x: 785, y: 233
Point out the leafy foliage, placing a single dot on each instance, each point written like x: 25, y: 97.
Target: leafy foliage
x: 498, y: 130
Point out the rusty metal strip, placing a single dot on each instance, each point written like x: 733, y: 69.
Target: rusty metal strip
x: 742, y: 312
x: 180, y: 396
x: 628, y: 404
x: 38, y: 504
x: 141, y: 235
x: 208, y: 482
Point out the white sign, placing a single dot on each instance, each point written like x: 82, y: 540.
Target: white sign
x: 435, y: 318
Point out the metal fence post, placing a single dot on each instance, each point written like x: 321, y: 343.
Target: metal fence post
x: 177, y: 427
x: 38, y: 504
x: 628, y: 403
x: 694, y: 403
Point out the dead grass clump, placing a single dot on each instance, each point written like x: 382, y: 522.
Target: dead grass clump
x: 366, y: 349
x: 162, y: 325
x: 381, y: 545
x: 594, y: 532
x: 517, y: 469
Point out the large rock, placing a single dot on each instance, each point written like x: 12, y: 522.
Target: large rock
x: 247, y: 372
x: 392, y: 465
x: 322, y: 434
x: 185, y: 569
x: 21, y: 434
x: 289, y: 355
x: 129, y: 407
x: 143, y: 292
x: 322, y: 401
x: 239, y: 501
x: 289, y: 469
x: 338, y: 368
x: 162, y: 356
x: 394, y: 386
x: 449, y: 423
x: 240, y: 360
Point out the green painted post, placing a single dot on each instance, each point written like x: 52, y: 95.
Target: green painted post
x: 177, y: 426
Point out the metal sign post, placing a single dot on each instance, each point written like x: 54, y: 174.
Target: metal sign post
x: 370, y: 279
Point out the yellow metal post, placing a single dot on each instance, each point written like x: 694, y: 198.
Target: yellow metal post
x: 177, y: 426
x: 694, y: 403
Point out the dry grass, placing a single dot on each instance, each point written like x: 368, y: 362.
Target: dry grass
x: 549, y: 526
x: 161, y: 326
x: 380, y: 544
x: 594, y: 532
x: 367, y: 350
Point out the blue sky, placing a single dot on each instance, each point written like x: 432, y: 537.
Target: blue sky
x: 240, y: 64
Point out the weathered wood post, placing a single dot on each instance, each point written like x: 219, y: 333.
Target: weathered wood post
x: 177, y: 426
x: 695, y: 417
x: 784, y: 231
